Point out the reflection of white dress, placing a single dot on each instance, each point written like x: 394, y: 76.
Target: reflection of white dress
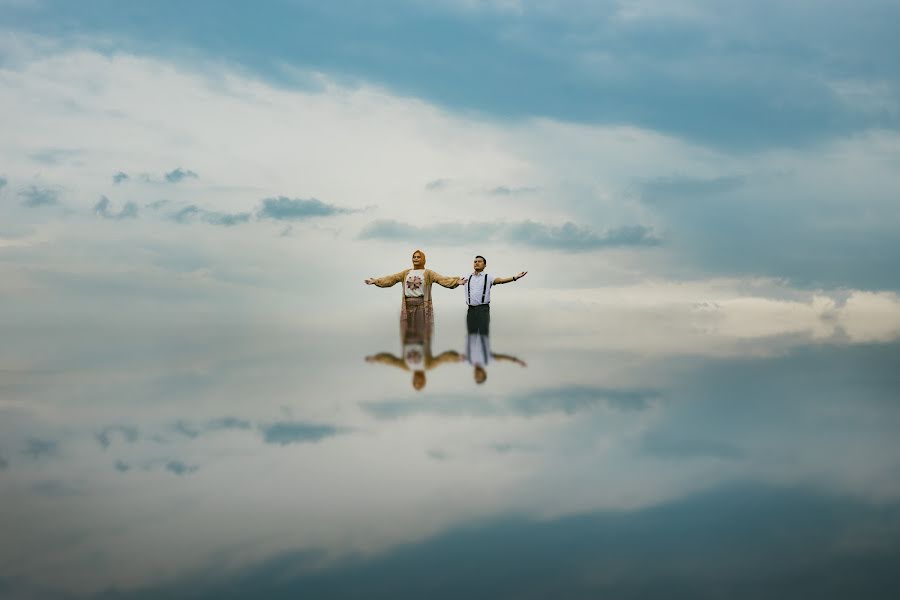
x: 414, y: 356
x: 478, y: 349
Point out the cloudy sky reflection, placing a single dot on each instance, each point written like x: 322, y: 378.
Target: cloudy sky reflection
x: 693, y: 391
x: 267, y: 466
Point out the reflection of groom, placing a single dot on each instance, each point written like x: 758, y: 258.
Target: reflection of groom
x: 478, y: 295
x: 479, y: 355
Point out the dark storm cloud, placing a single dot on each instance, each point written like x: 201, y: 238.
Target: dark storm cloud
x: 128, y: 211
x: 34, y: 196
x: 284, y: 433
x: 180, y: 174
x: 194, y: 213
x: 294, y: 209
x: 568, y: 237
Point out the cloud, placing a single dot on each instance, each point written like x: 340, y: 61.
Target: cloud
x: 193, y: 212
x: 437, y: 185
x: 564, y: 399
x: 53, y: 156
x: 180, y: 174
x: 185, y: 429
x: 221, y: 424
x: 506, y: 448
x: 37, y: 448
x: 508, y: 191
x: 790, y: 542
x: 228, y: 423
x: 156, y: 204
x: 179, y: 468
x: 3, y: 463
x: 439, y: 455
x: 662, y: 188
x: 291, y: 209
x: 129, y: 434
x: 122, y: 466
x: 576, y: 398
x: 173, y: 176
x: 568, y: 237
x: 667, y: 446
x: 447, y: 405
x: 761, y: 74
x: 34, y: 196
x: 3, y: 182
x: 574, y: 238
x: 797, y: 226
x: 54, y: 489
x: 296, y: 432
x: 129, y: 210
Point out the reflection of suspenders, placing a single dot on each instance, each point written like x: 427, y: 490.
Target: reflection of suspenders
x: 469, y: 289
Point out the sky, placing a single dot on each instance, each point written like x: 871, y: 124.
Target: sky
x: 704, y: 195
x: 614, y: 142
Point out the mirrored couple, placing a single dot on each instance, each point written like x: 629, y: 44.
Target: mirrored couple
x: 416, y: 356
x: 417, y: 318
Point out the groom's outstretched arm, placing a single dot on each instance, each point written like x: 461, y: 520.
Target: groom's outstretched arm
x: 499, y: 280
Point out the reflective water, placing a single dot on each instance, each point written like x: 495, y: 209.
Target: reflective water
x: 209, y: 456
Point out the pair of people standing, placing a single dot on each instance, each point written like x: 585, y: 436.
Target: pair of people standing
x: 417, y: 309
x: 417, y: 319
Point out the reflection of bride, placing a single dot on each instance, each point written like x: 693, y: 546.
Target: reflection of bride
x: 417, y: 358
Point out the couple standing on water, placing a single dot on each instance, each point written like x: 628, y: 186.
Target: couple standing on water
x: 416, y: 310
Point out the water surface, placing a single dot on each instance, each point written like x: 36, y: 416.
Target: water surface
x: 210, y: 457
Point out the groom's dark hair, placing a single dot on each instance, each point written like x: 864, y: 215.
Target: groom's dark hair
x: 482, y: 258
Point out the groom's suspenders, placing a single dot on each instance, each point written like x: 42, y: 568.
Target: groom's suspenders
x: 469, y: 289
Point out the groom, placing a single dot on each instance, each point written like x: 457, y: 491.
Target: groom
x: 478, y: 295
